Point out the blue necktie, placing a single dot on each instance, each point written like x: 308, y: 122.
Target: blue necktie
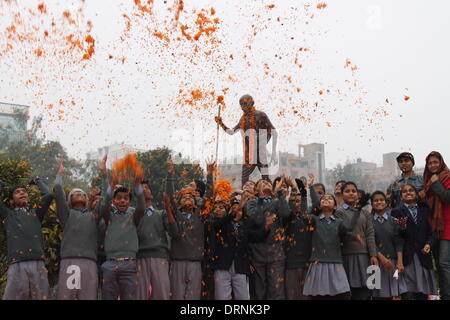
x: 413, y: 211
x: 380, y: 219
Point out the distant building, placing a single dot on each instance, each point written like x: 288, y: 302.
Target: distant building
x: 314, y: 155
x: 13, y: 122
x: 310, y: 159
x: 115, y: 151
x: 390, y: 161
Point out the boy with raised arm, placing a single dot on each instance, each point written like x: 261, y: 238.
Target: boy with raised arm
x: 153, y: 254
x: 27, y: 275
x: 121, y: 244
x: 188, y: 243
x: 78, y: 276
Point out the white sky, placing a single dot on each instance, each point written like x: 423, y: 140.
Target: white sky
x: 400, y: 47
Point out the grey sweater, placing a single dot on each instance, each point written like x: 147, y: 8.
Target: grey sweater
x: 364, y: 226
x: 79, y: 225
x: 388, y: 238
x: 272, y: 248
x: 121, y: 239
x: 152, y: 234
x: 24, y: 229
x: 188, y: 240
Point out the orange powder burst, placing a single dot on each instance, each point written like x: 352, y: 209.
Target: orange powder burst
x: 222, y: 193
x: 127, y: 168
x: 38, y: 52
x: 42, y: 8
x: 161, y: 36
x: 406, y: 98
x: 321, y: 5
x: 196, y: 94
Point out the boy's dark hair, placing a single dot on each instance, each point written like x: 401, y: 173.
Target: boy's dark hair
x: 349, y: 183
x: 260, y: 180
x: 11, y: 192
x: 274, y: 183
x: 365, y: 197
x: 201, y: 187
x: 145, y: 181
x: 340, y: 181
x: 332, y: 196
x: 122, y: 189
x: 320, y: 185
x: 378, y: 193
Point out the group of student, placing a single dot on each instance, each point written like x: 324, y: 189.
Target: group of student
x: 260, y: 242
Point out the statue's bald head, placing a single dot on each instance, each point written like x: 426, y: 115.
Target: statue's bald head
x: 246, y: 99
x: 246, y: 102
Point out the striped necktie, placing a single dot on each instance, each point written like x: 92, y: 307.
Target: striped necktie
x: 413, y: 210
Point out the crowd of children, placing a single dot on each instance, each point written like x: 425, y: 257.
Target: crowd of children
x: 260, y: 242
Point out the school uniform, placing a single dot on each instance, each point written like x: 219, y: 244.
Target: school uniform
x: 186, y: 254
x: 267, y: 257
x: 419, y: 273
x: 187, y: 248
x: 153, y: 255
x: 389, y: 242
x: 121, y: 247
x: 231, y: 262
x: 298, y: 248
x: 326, y: 275
x: 27, y: 275
x: 356, y: 257
x: 78, y: 246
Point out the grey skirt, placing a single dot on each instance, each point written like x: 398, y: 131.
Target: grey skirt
x: 419, y: 279
x: 389, y: 286
x: 356, y: 268
x: 325, y: 279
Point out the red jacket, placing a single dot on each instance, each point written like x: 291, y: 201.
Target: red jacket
x: 446, y: 214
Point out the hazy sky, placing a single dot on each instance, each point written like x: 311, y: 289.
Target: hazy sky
x: 400, y: 48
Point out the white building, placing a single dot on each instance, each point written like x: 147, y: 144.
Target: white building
x: 115, y: 151
x: 13, y: 121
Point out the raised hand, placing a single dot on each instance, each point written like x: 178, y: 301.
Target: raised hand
x: 60, y: 167
x: 218, y: 120
x: 170, y: 166
x: 210, y: 165
x: 278, y: 185
x: 167, y: 204
x: 244, y: 198
x: 102, y: 164
x: 311, y: 179
x: 290, y: 182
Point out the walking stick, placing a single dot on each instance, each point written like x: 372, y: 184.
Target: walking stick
x: 217, y: 141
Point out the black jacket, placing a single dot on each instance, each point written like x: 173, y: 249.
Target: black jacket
x: 231, y: 246
x: 416, y: 235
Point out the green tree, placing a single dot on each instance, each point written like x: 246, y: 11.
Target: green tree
x: 154, y: 163
x: 42, y: 156
x: 348, y: 172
